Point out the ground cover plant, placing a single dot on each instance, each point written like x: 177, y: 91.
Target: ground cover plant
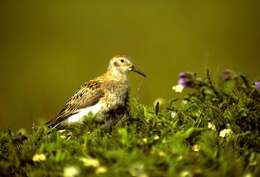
x: 210, y: 129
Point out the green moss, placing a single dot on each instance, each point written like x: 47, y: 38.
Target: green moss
x: 179, y: 137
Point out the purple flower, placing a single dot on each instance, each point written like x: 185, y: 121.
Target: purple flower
x: 186, y: 79
x: 182, y: 75
x: 257, y: 84
x: 182, y: 81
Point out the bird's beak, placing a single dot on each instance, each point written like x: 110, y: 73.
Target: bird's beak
x: 133, y: 68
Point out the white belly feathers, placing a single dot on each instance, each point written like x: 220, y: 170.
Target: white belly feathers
x: 79, y: 117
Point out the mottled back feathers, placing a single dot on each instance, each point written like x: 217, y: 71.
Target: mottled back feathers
x: 88, y: 95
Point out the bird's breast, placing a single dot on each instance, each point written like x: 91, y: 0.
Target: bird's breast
x: 116, y: 96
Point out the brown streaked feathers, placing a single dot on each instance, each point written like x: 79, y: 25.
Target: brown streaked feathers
x: 88, y: 95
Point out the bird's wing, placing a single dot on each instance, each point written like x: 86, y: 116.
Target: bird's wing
x: 88, y: 95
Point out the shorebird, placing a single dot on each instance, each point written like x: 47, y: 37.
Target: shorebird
x: 103, y: 97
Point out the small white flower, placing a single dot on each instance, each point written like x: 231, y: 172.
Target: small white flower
x: 62, y: 136
x: 90, y: 162
x: 184, y: 102
x: 145, y: 140
x: 156, y: 137
x: 61, y: 131
x: 143, y: 175
x: 211, y: 126
x: 225, y: 132
x: 137, y: 169
x: 164, y: 141
x: 178, y: 88
x: 196, y: 147
x: 101, y: 170
x: 185, y: 174
x: 70, y: 171
x: 248, y: 175
x: 39, y: 157
x: 179, y: 158
x: 162, y: 154
x: 173, y: 114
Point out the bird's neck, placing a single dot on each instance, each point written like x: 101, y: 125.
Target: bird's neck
x: 116, y: 75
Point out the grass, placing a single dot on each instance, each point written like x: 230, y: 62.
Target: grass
x: 209, y: 130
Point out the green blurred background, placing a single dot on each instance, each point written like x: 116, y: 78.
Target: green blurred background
x: 48, y: 48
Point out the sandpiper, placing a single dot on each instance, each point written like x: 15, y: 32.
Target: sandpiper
x: 104, y: 96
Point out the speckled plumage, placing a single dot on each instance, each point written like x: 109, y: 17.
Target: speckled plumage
x: 105, y: 96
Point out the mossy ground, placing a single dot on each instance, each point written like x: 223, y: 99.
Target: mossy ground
x: 209, y: 131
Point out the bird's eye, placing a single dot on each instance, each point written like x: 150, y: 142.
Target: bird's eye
x: 122, y: 61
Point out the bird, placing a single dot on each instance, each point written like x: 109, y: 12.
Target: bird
x: 106, y: 96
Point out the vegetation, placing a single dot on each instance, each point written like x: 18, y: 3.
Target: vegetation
x: 209, y: 130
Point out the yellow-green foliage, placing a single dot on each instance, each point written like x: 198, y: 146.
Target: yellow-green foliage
x: 212, y: 131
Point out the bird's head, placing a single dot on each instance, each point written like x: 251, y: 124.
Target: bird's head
x: 121, y: 65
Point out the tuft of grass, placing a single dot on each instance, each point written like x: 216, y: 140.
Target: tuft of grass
x: 212, y: 130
